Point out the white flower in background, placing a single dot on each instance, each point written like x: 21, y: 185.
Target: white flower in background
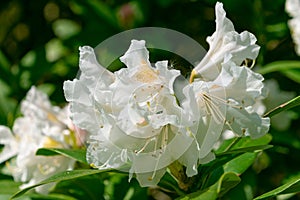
x: 41, y: 126
x: 132, y: 115
x: 292, y: 7
x: 225, y: 44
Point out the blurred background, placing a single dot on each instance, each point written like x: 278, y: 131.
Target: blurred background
x: 39, y: 43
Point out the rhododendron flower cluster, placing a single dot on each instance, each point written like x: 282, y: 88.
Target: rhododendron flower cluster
x: 135, y: 120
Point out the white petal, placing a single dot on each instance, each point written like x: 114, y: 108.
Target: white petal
x: 11, y: 147
x: 292, y: 7
x: 294, y: 25
x: 225, y: 44
x: 247, y: 122
x: 151, y: 178
x: 36, y: 104
x: 92, y: 72
x: 169, y: 76
x: 76, y: 91
x: 136, y: 55
x: 240, y: 84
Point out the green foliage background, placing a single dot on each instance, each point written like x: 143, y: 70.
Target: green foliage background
x: 39, y: 43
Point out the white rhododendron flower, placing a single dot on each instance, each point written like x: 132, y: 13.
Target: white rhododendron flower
x: 132, y: 115
x: 224, y: 91
x: 136, y: 122
x: 292, y: 7
x: 226, y: 103
x: 225, y: 44
x: 41, y: 126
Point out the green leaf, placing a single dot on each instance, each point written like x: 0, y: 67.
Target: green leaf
x: 246, y: 149
x: 238, y: 159
x: 240, y: 164
x: 290, y: 187
x: 102, y: 10
x: 8, y: 186
x: 76, y: 154
x: 223, y: 185
x: 280, y: 66
x: 243, y: 142
x: 52, y: 196
x: 67, y: 175
x: 288, y: 105
x: 292, y: 74
x: 87, y: 187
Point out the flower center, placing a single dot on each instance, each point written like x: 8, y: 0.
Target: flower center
x: 146, y: 74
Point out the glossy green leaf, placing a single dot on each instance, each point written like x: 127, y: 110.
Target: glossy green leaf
x: 67, y: 175
x: 240, y: 164
x: 240, y: 156
x: 288, y: 105
x: 223, y: 185
x: 76, y: 154
x: 290, y: 187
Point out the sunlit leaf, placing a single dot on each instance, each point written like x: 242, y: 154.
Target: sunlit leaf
x: 240, y: 163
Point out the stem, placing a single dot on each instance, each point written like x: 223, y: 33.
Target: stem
x: 178, y: 172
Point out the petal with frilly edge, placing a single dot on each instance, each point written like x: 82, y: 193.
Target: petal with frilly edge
x: 136, y: 55
x: 246, y: 122
x: 239, y: 83
x: 225, y: 44
x: 92, y: 73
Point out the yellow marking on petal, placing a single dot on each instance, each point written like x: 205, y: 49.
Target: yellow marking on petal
x: 50, y: 143
x: 193, y: 76
x: 215, y: 87
x: 52, y: 117
x: 145, y: 73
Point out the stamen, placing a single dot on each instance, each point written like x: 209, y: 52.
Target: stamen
x: 145, y: 145
x: 212, y: 106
